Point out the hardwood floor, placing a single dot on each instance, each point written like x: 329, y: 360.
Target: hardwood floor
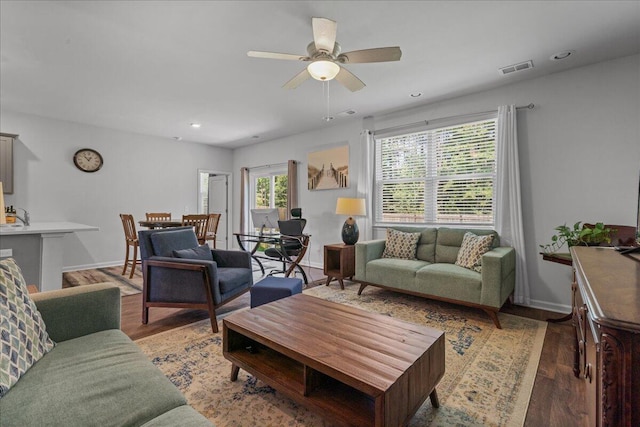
x: 557, y: 398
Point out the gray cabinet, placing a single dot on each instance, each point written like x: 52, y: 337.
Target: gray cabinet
x: 6, y: 161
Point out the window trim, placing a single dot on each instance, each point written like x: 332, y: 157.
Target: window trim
x: 271, y: 173
x: 426, y: 126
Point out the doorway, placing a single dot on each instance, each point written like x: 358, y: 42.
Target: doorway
x: 213, y: 197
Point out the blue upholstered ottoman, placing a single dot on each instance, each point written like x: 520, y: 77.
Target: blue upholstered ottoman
x: 274, y: 288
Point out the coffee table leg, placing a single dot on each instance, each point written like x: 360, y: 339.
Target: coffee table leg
x: 434, y: 399
x: 234, y: 373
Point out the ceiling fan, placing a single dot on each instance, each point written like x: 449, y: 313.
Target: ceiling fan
x: 326, y: 57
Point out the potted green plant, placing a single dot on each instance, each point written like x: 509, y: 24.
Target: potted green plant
x: 579, y: 235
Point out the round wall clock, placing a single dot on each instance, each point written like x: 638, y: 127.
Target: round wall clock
x: 87, y: 160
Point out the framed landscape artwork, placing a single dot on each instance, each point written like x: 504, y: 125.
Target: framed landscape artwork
x: 328, y: 169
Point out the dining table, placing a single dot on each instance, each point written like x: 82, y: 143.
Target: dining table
x: 175, y: 222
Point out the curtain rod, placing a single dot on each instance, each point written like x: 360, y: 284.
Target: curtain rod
x: 529, y: 106
x: 269, y: 166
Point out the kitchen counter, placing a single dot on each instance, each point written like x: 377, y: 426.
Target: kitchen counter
x: 38, y: 249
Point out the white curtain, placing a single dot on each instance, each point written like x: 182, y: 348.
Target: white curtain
x: 508, y: 205
x: 244, y: 199
x: 365, y: 184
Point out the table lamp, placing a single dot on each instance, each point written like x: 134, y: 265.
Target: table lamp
x: 351, y: 207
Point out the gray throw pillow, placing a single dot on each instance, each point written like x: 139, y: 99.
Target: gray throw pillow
x: 201, y: 252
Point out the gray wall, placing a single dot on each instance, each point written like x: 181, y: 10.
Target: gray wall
x: 140, y: 174
x: 579, y: 159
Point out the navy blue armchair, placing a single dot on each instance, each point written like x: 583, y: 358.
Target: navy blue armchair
x: 177, y: 272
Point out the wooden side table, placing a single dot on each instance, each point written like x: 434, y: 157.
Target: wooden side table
x: 339, y: 262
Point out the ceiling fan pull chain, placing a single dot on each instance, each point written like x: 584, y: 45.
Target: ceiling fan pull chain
x: 325, y: 92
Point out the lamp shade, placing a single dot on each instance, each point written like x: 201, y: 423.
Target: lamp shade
x: 323, y: 70
x: 351, y: 207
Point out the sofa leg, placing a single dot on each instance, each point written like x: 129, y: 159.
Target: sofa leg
x: 494, y: 316
x: 145, y: 314
x: 362, y: 286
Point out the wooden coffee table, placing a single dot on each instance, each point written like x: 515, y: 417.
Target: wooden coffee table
x: 351, y: 366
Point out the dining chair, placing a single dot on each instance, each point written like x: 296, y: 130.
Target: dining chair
x: 131, y: 240
x: 158, y: 216
x: 199, y: 223
x: 212, y: 228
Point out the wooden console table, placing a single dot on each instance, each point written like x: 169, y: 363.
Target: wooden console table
x: 353, y: 367
x: 606, y: 315
x: 339, y: 262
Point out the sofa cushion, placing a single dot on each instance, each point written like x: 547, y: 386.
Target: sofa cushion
x: 102, y: 379
x: 165, y: 242
x: 233, y: 278
x: 400, y: 244
x: 23, y: 334
x: 449, y: 281
x: 199, y: 252
x: 472, y: 249
x: 392, y: 271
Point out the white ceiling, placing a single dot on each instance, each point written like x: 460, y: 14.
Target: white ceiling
x: 154, y: 67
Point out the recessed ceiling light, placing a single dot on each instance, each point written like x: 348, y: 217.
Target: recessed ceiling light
x: 255, y: 136
x: 562, y: 55
x: 195, y: 125
x: 177, y: 138
x: 416, y: 94
x: 328, y: 118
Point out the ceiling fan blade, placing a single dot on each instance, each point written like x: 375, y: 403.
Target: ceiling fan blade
x: 275, y: 55
x: 324, y: 33
x: 378, y: 54
x: 349, y: 80
x: 297, y: 79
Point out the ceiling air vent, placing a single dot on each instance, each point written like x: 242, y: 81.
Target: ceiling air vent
x: 516, y: 67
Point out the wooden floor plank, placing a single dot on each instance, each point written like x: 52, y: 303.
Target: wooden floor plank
x: 557, y: 398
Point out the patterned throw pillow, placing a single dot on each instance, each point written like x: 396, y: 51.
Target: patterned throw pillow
x: 400, y: 244
x: 472, y: 249
x: 23, y: 337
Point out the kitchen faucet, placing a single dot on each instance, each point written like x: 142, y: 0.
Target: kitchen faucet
x: 24, y: 218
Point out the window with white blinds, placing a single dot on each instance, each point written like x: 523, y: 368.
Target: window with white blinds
x: 443, y: 175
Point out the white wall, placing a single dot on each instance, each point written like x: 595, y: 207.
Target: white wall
x: 140, y: 174
x: 579, y: 159
x: 318, y: 207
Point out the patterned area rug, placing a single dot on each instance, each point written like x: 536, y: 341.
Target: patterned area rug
x: 105, y: 275
x: 488, y: 380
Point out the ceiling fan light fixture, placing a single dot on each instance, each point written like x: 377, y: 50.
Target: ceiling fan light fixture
x: 323, y: 70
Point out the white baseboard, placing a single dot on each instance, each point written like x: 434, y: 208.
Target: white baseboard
x: 549, y: 306
x: 92, y: 266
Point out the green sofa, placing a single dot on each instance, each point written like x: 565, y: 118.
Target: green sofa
x: 434, y: 273
x: 95, y: 375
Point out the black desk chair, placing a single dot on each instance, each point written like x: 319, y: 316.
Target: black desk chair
x: 293, y: 243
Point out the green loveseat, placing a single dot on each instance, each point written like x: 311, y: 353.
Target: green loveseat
x: 434, y: 273
x: 95, y: 375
